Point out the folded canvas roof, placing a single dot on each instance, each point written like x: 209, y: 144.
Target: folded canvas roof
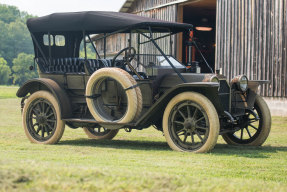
x: 98, y: 22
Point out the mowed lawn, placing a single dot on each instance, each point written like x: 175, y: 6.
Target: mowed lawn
x: 136, y: 161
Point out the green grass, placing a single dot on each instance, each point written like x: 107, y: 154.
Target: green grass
x: 8, y: 92
x: 136, y: 161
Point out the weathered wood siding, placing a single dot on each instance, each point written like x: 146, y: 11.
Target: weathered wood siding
x: 252, y: 39
x: 114, y: 44
x: 119, y: 41
x: 142, y: 5
x: 167, y: 13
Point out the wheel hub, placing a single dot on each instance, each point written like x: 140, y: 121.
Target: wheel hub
x: 244, y: 122
x: 42, y: 120
x: 189, y: 124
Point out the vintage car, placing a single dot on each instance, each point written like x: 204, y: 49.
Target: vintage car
x: 133, y: 90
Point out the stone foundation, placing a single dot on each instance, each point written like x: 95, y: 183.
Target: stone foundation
x: 277, y: 105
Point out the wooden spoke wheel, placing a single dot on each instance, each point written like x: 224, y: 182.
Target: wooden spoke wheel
x: 41, y: 118
x: 252, y: 131
x: 190, y: 123
x: 100, y: 133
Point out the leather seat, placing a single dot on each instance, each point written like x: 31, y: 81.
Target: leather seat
x: 73, y: 65
x: 61, y: 65
x: 95, y: 64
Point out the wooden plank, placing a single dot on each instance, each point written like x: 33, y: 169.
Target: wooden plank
x: 280, y: 53
x: 244, y: 37
x: 284, y: 58
x: 240, y: 37
x: 228, y: 24
x: 252, y: 38
x: 232, y: 39
x: 260, y: 66
x: 225, y: 15
x: 217, y: 39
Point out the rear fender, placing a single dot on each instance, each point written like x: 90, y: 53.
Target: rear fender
x: 31, y: 86
x: 210, y: 90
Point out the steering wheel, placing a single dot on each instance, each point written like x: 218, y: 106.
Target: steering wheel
x: 130, y: 54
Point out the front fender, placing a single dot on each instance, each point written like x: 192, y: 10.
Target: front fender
x: 252, y: 91
x: 254, y: 84
x: 38, y: 84
x: 210, y: 90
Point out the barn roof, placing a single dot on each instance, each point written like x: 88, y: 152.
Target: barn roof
x: 98, y: 22
x: 128, y: 4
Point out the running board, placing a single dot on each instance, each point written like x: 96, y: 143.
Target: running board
x: 93, y: 121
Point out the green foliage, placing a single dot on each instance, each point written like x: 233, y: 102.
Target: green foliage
x: 5, y: 71
x: 91, y: 54
x: 21, y: 71
x: 9, y: 13
x: 14, y: 37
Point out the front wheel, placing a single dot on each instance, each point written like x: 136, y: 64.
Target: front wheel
x: 41, y: 118
x: 100, y: 133
x: 190, y: 123
x: 253, y: 132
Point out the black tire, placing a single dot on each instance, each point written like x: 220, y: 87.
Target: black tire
x: 41, y: 118
x: 100, y: 133
x: 190, y: 114
x: 252, y: 133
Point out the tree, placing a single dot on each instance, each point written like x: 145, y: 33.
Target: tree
x: 9, y: 13
x: 5, y: 71
x: 21, y: 71
x: 90, y: 51
x: 15, y: 39
x: 14, y: 35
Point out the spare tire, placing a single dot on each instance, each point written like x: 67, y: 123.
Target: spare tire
x: 139, y: 94
x: 97, y: 96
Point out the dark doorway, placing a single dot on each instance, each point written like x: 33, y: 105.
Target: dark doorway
x: 202, y: 14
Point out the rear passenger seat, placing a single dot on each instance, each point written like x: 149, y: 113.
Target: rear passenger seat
x: 95, y: 64
x: 62, y: 65
x: 72, y: 65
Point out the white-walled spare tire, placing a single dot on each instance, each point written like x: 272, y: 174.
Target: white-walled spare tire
x: 94, y: 90
x: 139, y: 94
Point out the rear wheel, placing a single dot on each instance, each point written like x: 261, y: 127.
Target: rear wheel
x: 190, y: 123
x: 252, y: 131
x: 100, y: 133
x: 41, y: 118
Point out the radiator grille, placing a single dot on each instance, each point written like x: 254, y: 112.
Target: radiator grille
x: 224, y: 94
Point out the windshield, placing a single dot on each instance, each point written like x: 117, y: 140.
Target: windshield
x: 163, y: 62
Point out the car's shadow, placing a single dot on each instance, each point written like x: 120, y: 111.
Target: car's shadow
x: 119, y: 144
x: 220, y: 149
x: 247, y: 151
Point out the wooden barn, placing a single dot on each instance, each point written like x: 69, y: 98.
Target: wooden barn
x: 237, y: 36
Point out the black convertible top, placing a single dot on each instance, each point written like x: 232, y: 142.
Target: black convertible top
x: 98, y: 22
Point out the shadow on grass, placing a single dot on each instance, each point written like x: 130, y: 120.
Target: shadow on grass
x: 220, y: 149
x: 247, y: 151
x: 119, y: 144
